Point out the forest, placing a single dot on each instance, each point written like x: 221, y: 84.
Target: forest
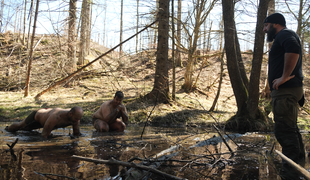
x: 161, y: 54
x: 180, y: 63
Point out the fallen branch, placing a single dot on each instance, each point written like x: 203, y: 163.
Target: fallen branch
x: 218, y: 131
x: 116, y: 162
x: 296, y: 166
x: 79, y: 70
x: 13, y: 144
x: 216, y: 140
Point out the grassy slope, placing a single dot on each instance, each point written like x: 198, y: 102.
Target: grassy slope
x: 132, y: 74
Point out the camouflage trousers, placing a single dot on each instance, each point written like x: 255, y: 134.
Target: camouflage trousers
x: 285, y: 110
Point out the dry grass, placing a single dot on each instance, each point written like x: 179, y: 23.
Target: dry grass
x: 132, y: 74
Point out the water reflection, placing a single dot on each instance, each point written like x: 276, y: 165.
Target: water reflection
x: 36, y: 158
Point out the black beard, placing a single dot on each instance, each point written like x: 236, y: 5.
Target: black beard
x: 271, y: 34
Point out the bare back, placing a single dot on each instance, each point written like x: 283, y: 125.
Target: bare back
x: 53, y: 116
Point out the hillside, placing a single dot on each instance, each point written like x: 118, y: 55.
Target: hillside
x: 132, y: 73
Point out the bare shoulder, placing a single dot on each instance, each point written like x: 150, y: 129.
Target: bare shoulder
x: 105, y: 105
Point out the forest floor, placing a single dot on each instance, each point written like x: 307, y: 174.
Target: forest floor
x: 131, y: 73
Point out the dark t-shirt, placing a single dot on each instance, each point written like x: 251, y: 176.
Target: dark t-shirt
x: 286, y: 41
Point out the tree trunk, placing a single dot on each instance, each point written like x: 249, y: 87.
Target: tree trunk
x: 238, y: 86
x: 220, y: 83
x: 179, y: 36
x: 71, y: 37
x: 24, y: 23
x: 252, y: 104
x: 137, y: 28
x: 200, y: 15
x: 31, y: 51
x: 160, y: 92
x: 266, y: 91
x: 1, y: 15
x: 83, y: 32
x: 173, y: 54
x: 88, y: 22
x: 30, y: 21
x: 121, y: 30
x: 240, y: 63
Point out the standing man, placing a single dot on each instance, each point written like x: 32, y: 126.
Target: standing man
x: 286, y: 85
x: 50, y: 119
x: 106, y: 118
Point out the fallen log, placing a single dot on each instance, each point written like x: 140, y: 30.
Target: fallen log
x: 296, y: 166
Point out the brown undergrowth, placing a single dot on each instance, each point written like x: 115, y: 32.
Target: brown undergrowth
x: 131, y: 73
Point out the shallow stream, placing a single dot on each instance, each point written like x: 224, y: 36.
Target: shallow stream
x: 36, y: 158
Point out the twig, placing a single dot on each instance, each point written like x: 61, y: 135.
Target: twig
x: 218, y: 131
x: 149, y: 115
x: 116, y: 162
x: 13, y: 144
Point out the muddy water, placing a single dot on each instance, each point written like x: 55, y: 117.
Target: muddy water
x: 37, y: 158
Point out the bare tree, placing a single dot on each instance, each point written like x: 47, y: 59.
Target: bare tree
x: 31, y: 50
x: 179, y: 34
x: 266, y: 91
x: 248, y: 116
x: 160, y: 92
x: 71, y: 36
x: 121, y: 30
x: 24, y: 23
x: 84, y: 31
x: 30, y: 21
x: 201, y: 11
x: 1, y: 15
x: 173, y: 53
x: 137, y: 28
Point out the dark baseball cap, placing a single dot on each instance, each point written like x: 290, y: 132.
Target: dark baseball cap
x: 276, y: 18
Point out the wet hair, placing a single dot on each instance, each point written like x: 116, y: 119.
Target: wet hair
x: 119, y: 94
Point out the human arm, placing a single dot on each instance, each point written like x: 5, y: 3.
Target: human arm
x: 290, y: 61
x: 48, y: 126
x: 119, y: 111
x: 76, y: 128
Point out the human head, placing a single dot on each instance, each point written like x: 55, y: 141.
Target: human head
x: 118, y: 97
x: 276, y: 18
x: 119, y: 94
x: 273, y: 24
x: 75, y: 113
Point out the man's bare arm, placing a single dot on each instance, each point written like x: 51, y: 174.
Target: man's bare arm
x: 48, y: 126
x: 124, y: 114
x: 113, y: 116
x: 76, y: 129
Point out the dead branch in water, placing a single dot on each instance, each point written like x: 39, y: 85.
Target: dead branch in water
x: 116, y: 162
x: 13, y: 144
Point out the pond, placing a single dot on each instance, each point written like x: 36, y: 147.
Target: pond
x: 37, y: 158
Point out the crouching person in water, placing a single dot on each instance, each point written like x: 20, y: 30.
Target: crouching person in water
x: 50, y: 119
x: 107, y: 117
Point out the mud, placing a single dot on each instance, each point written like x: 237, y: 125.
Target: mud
x: 36, y: 158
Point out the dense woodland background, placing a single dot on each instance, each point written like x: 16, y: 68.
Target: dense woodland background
x: 177, y: 61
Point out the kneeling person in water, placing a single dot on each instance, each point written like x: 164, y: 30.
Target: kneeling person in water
x: 107, y: 117
x: 50, y: 119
